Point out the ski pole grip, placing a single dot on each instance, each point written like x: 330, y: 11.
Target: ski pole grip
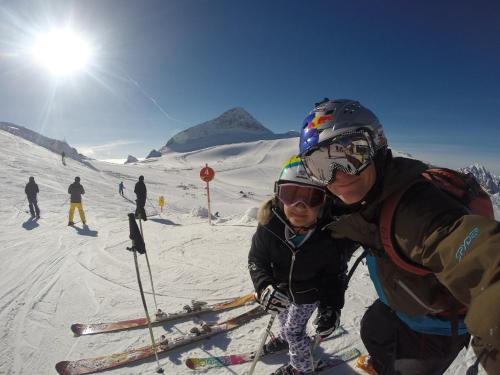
x: 135, y: 235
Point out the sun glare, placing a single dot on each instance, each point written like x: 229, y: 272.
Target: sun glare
x: 62, y: 51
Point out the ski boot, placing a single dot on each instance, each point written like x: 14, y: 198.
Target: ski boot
x: 289, y: 370
x: 160, y: 314
x: 274, y: 345
x: 364, y: 363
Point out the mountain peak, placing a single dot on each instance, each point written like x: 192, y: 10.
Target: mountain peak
x: 235, y: 125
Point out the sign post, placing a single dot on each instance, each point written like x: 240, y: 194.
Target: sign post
x: 207, y: 174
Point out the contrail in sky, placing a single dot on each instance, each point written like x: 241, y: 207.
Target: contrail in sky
x: 153, y: 100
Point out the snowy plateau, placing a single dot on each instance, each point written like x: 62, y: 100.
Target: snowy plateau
x: 54, y: 275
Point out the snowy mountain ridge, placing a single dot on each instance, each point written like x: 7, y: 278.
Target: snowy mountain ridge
x: 53, y: 145
x: 488, y: 181
x: 233, y: 126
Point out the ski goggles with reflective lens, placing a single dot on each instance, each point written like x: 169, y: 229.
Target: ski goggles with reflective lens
x: 350, y: 153
x: 292, y: 194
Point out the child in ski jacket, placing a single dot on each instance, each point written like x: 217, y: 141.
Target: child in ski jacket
x: 294, y: 268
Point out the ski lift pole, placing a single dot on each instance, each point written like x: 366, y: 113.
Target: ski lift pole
x: 139, y: 246
x: 149, y: 269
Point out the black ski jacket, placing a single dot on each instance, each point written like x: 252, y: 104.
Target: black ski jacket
x: 141, y: 191
x: 31, y: 190
x: 315, y: 271
x: 76, y: 190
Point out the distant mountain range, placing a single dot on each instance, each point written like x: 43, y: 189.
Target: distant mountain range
x: 233, y: 126
x: 487, y: 180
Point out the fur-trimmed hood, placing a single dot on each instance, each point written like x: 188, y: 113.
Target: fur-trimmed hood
x: 265, y: 213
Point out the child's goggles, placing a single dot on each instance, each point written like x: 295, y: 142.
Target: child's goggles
x: 292, y: 194
x: 350, y: 153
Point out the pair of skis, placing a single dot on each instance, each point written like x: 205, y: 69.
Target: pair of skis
x: 195, y: 308
x: 91, y: 365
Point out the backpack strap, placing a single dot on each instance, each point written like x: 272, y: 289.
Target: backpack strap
x: 386, y: 225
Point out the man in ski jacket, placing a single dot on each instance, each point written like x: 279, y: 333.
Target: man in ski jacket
x: 121, y: 187
x: 293, y: 267
x: 141, y: 193
x: 419, y: 324
x: 31, y: 191
x: 76, y: 190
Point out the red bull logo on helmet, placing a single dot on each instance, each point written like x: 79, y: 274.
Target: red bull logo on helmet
x: 316, y: 120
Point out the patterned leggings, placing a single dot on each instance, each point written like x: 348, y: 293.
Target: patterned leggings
x: 293, y: 322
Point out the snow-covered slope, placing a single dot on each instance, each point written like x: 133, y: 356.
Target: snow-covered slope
x: 233, y: 126
x: 53, y: 145
x: 54, y: 275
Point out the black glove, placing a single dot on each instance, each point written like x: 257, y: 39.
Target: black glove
x: 327, y: 321
x: 272, y: 299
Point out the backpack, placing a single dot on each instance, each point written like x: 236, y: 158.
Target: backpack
x: 463, y: 187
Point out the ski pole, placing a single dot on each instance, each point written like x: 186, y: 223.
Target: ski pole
x: 139, y: 246
x: 262, y: 342
x: 315, y: 344
x: 22, y: 204
x: 149, y: 268
x: 152, y: 206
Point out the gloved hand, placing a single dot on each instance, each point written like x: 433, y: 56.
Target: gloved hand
x: 327, y: 321
x: 271, y: 299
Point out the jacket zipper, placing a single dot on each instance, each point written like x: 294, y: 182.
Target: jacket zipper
x: 290, y: 277
x: 293, y: 255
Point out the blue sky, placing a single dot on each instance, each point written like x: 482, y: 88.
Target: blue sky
x: 430, y: 72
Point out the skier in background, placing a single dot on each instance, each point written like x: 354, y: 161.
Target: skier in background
x: 63, y: 157
x: 296, y: 267
x: 161, y: 202
x: 76, y: 190
x: 31, y: 191
x: 141, y: 193
x: 121, y: 187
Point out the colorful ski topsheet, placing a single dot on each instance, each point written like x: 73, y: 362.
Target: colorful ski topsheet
x: 237, y: 359
x: 91, y: 365
x: 194, y: 309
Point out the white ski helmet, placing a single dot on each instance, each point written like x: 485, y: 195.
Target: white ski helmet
x: 293, y: 171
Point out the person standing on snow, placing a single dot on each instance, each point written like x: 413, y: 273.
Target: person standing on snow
x: 419, y: 324
x: 121, y: 187
x: 63, y: 157
x: 294, y: 268
x: 76, y: 190
x: 31, y: 191
x: 141, y: 193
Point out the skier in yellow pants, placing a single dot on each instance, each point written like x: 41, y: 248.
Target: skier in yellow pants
x: 161, y: 202
x: 76, y: 190
x: 72, y: 212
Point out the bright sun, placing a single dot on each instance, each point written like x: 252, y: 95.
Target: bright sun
x: 62, y: 51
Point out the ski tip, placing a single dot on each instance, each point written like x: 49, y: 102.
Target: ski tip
x: 61, y: 367
x: 190, y: 363
x: 77, y: 329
